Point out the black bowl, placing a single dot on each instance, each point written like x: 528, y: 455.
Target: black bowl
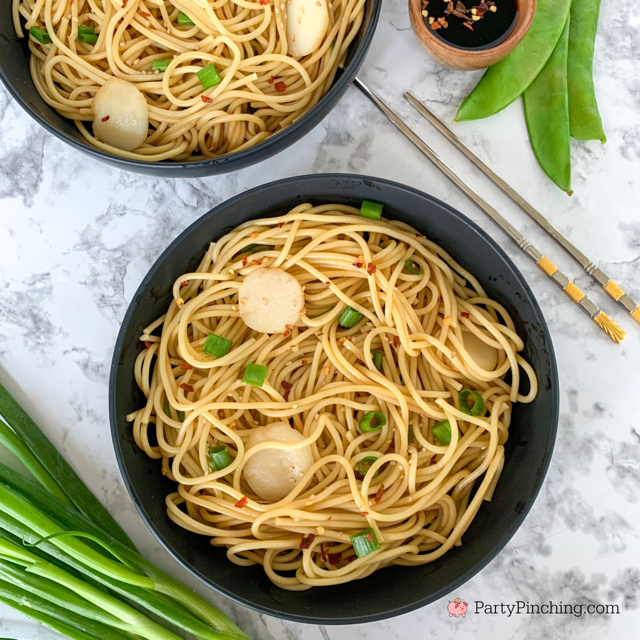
x: 528, y: 450
x: 14, y: 72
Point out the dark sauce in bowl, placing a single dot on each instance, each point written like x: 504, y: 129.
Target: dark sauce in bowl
x: 455, y: 24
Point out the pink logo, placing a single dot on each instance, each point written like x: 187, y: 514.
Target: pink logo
x: 457, y: 608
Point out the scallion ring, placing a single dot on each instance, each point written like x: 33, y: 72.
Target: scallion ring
x: 219, y: 458
x: 365, y: 464
x: 442, y: 432
x: 413, y: 267
x: 372, y: 421
x: 255, y: 374
x: 478, y: 403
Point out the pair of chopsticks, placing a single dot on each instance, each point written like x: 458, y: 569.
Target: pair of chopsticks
x: 570, y: 289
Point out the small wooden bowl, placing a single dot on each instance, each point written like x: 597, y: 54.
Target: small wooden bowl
x: 464, y: 59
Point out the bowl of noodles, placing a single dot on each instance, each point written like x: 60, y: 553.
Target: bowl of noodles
x: 187, y: 88
x: 334, y: 399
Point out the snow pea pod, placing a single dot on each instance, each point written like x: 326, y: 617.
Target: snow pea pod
x: 546, y: 109
x: 584, y: 117
x: 506, y: 80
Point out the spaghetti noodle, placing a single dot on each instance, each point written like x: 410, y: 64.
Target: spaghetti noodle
x: 252, y: 87
x: 393, y: 380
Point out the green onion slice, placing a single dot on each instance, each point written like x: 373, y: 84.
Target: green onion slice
x: 412, y: 435
x: 365, y: 542
x: 216, y: 346
x: 371, y: 210
x: 377, y: 358
x: 40, y: 35
x: 209, y: 77
x: 255, y: 374
x: 442, y: 431
x: 167, y: 410
x: 365, y: 464
x: 184, y: 20
x: 219, y: 458
x: 413, y: 267
x: 160, y: 64
x: 372, y: 421
x: 478, y: 403
x: 349, y: 318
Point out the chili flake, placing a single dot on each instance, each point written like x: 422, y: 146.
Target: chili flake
x: 271, y: 80
x: 334, y: 558
x: 187, y: 387
x: 244, y: 261
x: 369, y: 536
x: 364, y: 514
x: 280, y: 225
x: 145, y: 14
x: 185, y: 366
x: 280, y: 86
x: 206, y: 99
x: 307, y: 540
x: 147, y: 344
x: 371, y: 268
x: 464, y: 314
x: 184, y: 283
x: 241, y: 503
x: 379, y: 494
x: 104, y: 119
x: 396, y: 341
x: 358, y: 265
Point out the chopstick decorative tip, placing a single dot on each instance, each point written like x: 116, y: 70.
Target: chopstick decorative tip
x: 611, y: 328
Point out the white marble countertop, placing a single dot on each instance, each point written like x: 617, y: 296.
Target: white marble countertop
x: 76, y: 238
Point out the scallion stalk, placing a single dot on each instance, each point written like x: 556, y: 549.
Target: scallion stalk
x: 365, y: 542
x: 377, y: 356
x: 87, y: 34
x: 184, y: 20
x: 255, y: 374
x: 216, y: 345
x: 219, y: 458
x: 67, y: 479
x: 160, y: 64
x: 371, y: 210
x: 477, y: 409
x: 40, y: 35
x: 372, y: 421
x: 209, y: 77
x: 349, y: 318
x: 442, y: 432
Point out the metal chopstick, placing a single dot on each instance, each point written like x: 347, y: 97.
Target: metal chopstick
x: 611, y: 287
x: 570, y: 289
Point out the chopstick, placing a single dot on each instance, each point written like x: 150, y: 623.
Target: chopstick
x: 611, y: 287
x: 570, y: 289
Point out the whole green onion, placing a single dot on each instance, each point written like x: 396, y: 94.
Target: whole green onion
x: 371, y: 210
x: 219, y: 458
x: 365, y: 464
x: 413, y: 267
x: 372, y: 421
x: 349, y: 318
x: 365, y: 542
x: 40, y: 35
x: 255, y: 374
x: 208, y: 77
x: 160, y: 64
x: 442, y: 432
x: 377, y: 356
x: 216, y: 345
x: 184, y: 20
x: 478, y: 403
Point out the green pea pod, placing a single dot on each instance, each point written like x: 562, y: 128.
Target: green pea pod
x: 584, y: 117
x: 505, y: 81
x: 546, y: 109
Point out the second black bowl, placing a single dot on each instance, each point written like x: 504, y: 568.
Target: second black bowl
x: 396, y: 589
x: 14, y: 72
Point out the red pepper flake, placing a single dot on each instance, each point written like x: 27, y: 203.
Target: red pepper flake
x: 371, y: 268
x: 364, y: 514
x: 184, y: 283
x: 124, y: 4
x: 369, y: 536
x: 304, y: 362
x: 264, y: 3
x: 241, y: 503
x: 417, y: 235
x: 185, y: 366
x: 104, y: 119
x: 464, y: 314
x: 287, y: 386
x: 145, y: 14
x: 206, y: 99
x: 280, y: 86
x: 379, y: 494
x: 396, y: 341
x: 287, y: 329
x: 255, y: 262
x: 449, y: 8
x: 71, y: 3
x: 323, y: 554
x: 280, y: 225
x: 244, y: 261
x: 328, y: 283
x: 468, y: 25
x: 147, y: 344
x: 187, y: 387
x: 334, y: 558
x: 481, y: 9
x: 433, y: 461
x: 307, y: 540
x: 435, y: 26
x: 358, y: 265
x: 271, y: 80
